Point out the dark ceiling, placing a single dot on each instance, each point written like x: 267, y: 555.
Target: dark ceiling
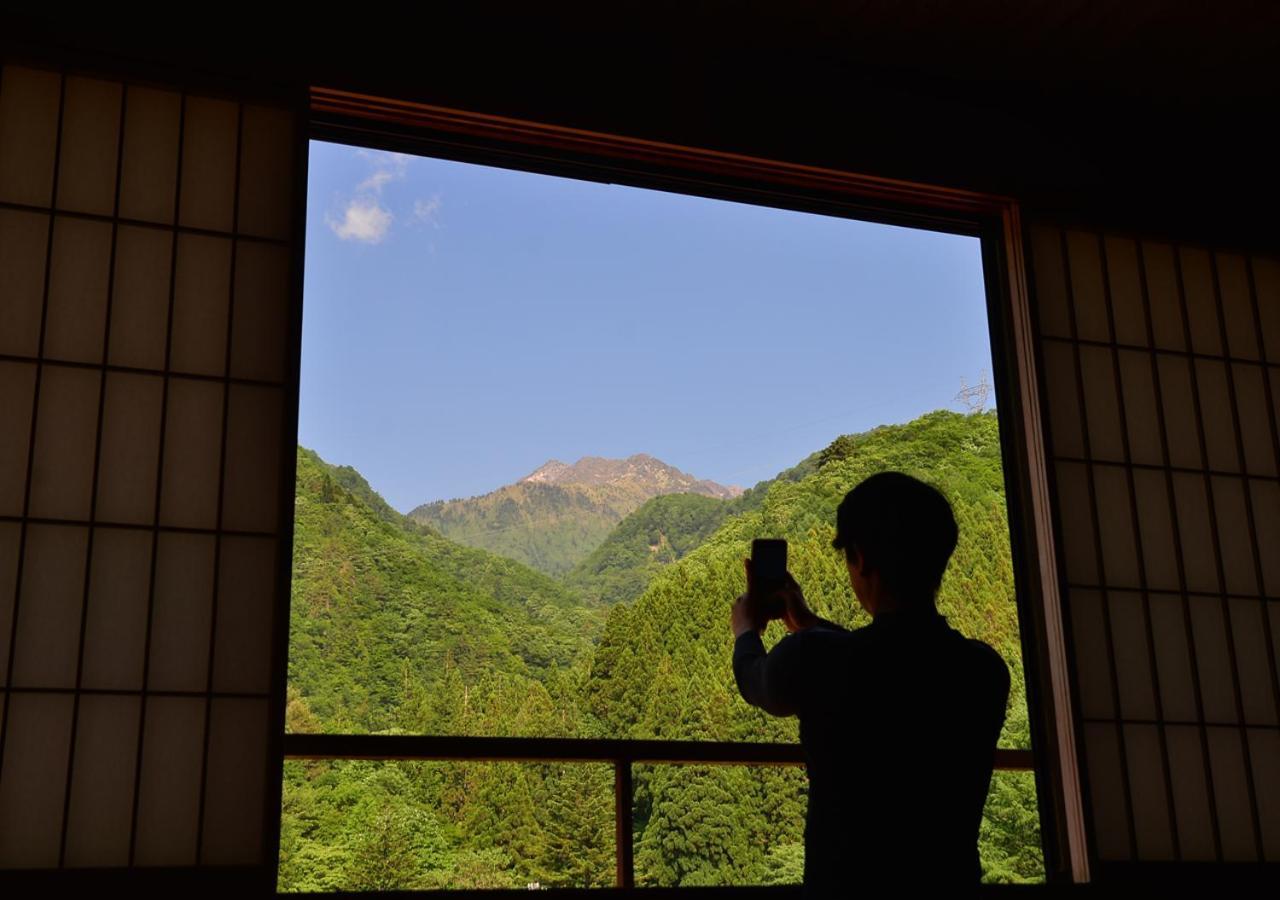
x: 1138, y: 112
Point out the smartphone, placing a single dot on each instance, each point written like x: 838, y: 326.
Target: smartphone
x: 769, y: 559
x: 768, y: 571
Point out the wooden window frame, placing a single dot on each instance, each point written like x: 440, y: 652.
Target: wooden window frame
x: 424, y: 130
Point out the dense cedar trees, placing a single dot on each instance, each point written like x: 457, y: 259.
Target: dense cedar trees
x: 655, y: 535
x: 397, y: 629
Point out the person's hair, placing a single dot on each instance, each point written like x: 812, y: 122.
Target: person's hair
x: 903, y: 528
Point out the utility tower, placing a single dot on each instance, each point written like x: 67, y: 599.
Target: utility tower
x: 974, y: 396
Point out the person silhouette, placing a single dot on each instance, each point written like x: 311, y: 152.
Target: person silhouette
x: 898, y: 719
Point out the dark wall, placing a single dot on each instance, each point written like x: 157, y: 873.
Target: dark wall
x: 1146, y: 116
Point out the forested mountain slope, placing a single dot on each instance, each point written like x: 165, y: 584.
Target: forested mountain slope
x: 397, y: 630
x: 379, y: 607
x: 663, y: 667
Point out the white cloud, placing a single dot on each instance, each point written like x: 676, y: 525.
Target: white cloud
x: 426, y: 210
x: 363, y: 220
x: 388, y: 167
x: 365, y: 217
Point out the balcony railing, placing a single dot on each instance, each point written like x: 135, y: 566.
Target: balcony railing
x: 623, y: 754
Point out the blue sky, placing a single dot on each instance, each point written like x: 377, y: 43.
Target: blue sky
x: 463, y: 324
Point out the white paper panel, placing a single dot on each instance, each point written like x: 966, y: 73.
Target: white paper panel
x: 28, y: 134
x: 261, y: 305
x: 246, y: 582
x: 101, y: 809
x: 80, y: 267
x: 181, y: 618
x: 33, y: 780
x: 130, y: 448
x: 266, y: 171
x: 192, y: 452
x: 208, y: 164
x: 1183, y: 430
x: 1107, y: 792
x: 1231, y: 792
x: 24, y: 241
x: 1155, y: 527
x: 1265, y: 749
x: 1213, y: 659
x: 1190, y: 793
x: 1173, y: 658
x: 66, y: 432
x: 1049, y: 281
x: 1127, y: 305
x: 17, y: 397
x: 1234, y: 536
x: 149, y: 170
x: 1133, y: 662
x: 116, y: 619
x: 1237, y: 305
x: 1106, y: 441
x: 1218, y: 420
x: 1201, y: 302
x: 201, y: 294
x: 1092, y: 653
x: 1255, y: 419
x: 1115, y: 520
x: 1085, y: 268
x: 140, y: 297
x: 9, y: 536
x: 1192, y: 510
x: 1266, y: 284
x: 1266, y: 519
x: 1065, y: 420
x: 1141, y: 416
x: 1257, y: 686
x: 1147, y: 780
x: 169, y: 790
x: 251, y: 499
x: 237, y: 775
x: 90, y: 142
x: 1076, y: 518
x: 51, y: 598
x: 1167, y: 323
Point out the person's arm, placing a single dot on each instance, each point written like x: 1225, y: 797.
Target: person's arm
x: 772, y: 680
x: 819, y: 622
x: 797, y: 615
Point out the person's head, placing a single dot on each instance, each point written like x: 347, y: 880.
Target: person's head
x: 897, y: 534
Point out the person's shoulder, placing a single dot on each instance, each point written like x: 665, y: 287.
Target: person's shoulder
x: 989, y: 659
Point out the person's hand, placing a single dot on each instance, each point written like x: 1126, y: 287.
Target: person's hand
x: 796, y: 614
x: 742, y: 618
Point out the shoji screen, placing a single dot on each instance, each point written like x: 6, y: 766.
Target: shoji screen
x: 1161, y: 367
x: 146, y: 364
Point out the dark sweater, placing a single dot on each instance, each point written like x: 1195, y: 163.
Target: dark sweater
x: 899, y: 721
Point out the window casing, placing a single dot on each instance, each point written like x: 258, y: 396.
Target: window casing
x: 417, y: 129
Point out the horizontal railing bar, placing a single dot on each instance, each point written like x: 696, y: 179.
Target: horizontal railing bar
x: 526, y: 749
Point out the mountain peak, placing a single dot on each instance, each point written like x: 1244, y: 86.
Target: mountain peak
x: 639, y: 469
x: 551, y: 471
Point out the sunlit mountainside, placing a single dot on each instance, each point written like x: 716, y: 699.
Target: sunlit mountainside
x: 555, y: 516
x: 398, y: 628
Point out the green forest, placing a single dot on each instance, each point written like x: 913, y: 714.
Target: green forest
x: 397, y: 629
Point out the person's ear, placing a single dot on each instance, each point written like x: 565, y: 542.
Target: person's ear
x: 860, y: 563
